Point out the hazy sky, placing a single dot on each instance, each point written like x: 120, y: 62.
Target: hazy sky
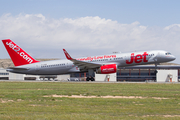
x: 90, y: 27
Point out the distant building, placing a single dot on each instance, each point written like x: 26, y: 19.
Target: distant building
x: 141, y: 74
x: 3, y: 74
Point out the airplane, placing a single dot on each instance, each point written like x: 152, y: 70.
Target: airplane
x: 101, y: 64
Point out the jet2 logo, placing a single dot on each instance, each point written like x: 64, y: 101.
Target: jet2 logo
x: 67, y: 55
x: 21, y: 53
x: 108, y: 70
x: 138, y: 58
x: 14, y: 47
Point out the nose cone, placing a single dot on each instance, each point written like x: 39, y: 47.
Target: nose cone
x: 172, y: 57
x: 166, y: 57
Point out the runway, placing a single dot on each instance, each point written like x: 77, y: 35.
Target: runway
x: 120, y: 82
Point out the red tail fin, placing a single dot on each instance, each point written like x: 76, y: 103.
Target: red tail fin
x: 18, y: 55
x: 67, y: 55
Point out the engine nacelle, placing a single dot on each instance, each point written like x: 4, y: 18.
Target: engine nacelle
x: 107, y: 69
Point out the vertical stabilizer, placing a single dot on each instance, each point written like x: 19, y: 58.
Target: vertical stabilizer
x: 18, y: 55
x: 67, y: 55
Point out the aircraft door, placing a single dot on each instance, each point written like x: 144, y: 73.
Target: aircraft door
x: 125, y: 58
x: 158, y: 56
x: 37, y: 67
x: 68, y: 65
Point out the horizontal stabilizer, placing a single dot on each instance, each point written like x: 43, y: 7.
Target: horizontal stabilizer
x: 16, y: 68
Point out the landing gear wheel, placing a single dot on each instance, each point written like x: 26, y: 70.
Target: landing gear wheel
x: 87, y: 79
x: 90, y: 79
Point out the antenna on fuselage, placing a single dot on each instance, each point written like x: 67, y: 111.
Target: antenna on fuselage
x: 116, y: 52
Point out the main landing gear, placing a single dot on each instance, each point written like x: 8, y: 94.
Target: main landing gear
x: 91, y: 74
x: 90, y: 78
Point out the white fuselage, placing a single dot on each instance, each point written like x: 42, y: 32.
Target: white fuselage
x: 57, y: 67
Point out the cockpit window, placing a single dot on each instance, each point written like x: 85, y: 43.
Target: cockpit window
x: 168, y: 53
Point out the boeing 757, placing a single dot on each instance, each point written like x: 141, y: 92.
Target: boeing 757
x: 102, y: 64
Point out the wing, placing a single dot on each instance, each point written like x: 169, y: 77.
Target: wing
x: 82, y: 64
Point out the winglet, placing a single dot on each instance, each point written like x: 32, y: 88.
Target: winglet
x: 67, y: 55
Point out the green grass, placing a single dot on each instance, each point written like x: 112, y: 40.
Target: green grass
x: 25, y: 100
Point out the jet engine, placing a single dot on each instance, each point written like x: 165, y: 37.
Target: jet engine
x: 107, y: 69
